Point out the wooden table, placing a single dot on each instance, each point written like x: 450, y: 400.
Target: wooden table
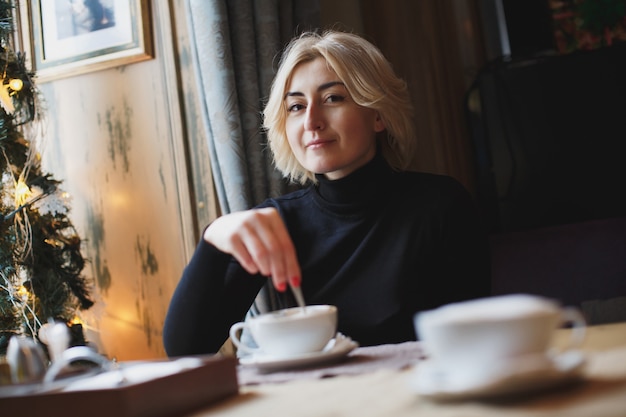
x: 388, y: 393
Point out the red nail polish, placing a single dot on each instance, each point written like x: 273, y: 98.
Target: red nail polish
x: 295, y: 281
x: 281, y: 287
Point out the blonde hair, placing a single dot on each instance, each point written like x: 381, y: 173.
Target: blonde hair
x: 370, y: 81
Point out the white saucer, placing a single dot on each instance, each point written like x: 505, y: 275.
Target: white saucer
x: 337, y: 348
x: 522, y: 376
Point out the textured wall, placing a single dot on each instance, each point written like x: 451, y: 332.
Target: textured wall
x: 116, y: 140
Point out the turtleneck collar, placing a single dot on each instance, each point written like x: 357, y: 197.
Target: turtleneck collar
x: 360, y: 187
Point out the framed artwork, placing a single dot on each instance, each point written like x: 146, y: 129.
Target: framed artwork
x: 63, y: 38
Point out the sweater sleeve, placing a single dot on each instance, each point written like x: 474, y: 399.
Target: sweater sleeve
x: 213, y: 293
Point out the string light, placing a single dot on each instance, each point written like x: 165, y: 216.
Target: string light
x: 76, y: 320
x: 22, y: 292
x: 22, y: 192
x: 16, y: 84
x: 54, y: 242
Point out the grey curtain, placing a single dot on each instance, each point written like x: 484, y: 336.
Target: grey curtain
x: 236, y: 46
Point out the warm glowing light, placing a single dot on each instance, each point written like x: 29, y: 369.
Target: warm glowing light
x: 77, y: 320
x: 22, y: 192
x: 22, y: 292
x: 54, y: 242
x: 16, y: 84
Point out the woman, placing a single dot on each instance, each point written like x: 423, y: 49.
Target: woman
x: 377, y: 241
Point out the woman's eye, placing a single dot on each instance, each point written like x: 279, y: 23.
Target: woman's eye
x: 294, y: 107
x: 334, y: 98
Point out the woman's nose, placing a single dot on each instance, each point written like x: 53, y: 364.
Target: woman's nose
x: 314, y: 119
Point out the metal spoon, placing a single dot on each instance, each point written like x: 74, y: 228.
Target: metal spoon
x: 297, y: 292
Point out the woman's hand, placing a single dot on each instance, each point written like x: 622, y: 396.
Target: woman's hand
x: 259, y: 240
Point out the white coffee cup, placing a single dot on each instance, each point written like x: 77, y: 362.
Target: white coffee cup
x: 288, y: 332
x: 478, y: 336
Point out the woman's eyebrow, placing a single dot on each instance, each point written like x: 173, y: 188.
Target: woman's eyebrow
x: 320, y: 88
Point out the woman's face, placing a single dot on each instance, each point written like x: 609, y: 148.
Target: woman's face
x: 327, y: 131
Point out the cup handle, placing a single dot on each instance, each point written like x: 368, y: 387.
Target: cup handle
x: 573, y: 316
x: 234, y: 337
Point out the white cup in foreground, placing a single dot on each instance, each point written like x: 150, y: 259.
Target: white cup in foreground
x: 289, y: 332
x: 480, y: 335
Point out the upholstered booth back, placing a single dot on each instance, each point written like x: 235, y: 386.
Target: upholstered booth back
x: 580, y: 264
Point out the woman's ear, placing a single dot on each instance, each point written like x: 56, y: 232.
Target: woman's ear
x: 379, y: 124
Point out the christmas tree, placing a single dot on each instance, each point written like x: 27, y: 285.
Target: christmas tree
x: 40, y: 252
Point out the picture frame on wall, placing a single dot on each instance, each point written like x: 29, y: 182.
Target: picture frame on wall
x: 64, y: 38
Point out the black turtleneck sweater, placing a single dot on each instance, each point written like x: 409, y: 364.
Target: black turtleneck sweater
x: 380, y: 245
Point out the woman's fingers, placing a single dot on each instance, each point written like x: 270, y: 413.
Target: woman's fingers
x: 260, y: 242
x: 244, y: 258
x: 282, y: 254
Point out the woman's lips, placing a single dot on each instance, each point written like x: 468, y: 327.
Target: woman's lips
x: 318, y: 143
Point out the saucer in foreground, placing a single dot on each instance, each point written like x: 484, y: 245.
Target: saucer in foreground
x: 336, y: 349
x: 429, y: 380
